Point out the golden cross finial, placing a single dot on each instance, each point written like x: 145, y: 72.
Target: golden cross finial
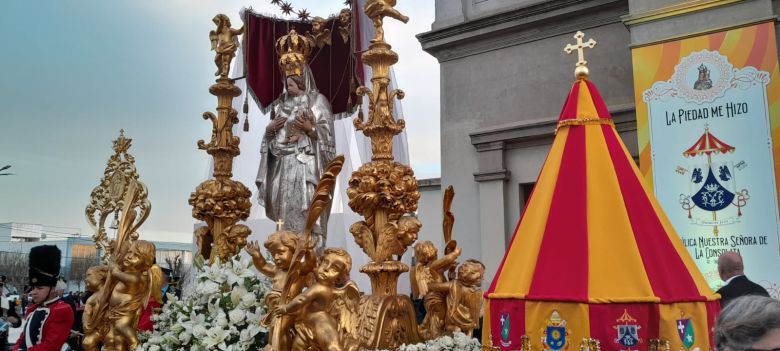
x: 581, y: 71
x: 279, y: 224
x: 121, y: 144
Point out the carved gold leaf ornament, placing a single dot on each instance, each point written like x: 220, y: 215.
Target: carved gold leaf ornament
x: 109, y: 198
x: 449, y: 218
x: 323, y: 194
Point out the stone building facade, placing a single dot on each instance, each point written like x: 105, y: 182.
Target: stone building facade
x: 504, y: 78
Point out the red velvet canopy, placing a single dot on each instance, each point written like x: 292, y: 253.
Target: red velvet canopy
x: 333, y: 66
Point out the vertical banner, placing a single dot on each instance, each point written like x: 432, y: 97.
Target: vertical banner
x: 708, y: 118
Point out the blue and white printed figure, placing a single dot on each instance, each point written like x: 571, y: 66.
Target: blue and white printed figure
x: 712, y: 193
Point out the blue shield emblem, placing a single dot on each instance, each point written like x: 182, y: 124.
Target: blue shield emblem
x: 556, y: 338
x: 712, y: 195
x: 627, y: 335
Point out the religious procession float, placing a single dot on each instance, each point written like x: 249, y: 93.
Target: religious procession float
x: 555, y: 290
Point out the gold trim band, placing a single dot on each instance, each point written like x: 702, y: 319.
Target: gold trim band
x: 582, y: 122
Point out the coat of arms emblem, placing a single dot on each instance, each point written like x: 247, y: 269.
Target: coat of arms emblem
x: 505, y: 329
x: 555, y: 333
x: 627, y: 329
x: 685, y: 332
x: 713, y: 185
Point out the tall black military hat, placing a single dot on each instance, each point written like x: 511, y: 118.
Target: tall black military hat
x: 44, y: 265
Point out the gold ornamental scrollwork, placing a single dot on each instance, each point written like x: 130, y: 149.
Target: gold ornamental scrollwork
x: 108, y: 198
x: 222, y: 202
x: 385, y: 193
x: 126, y: 280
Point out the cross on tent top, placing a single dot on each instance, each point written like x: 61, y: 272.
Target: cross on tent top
x: 581, y: 71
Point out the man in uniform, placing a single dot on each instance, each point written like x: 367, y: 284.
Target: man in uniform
x: 48, y: 319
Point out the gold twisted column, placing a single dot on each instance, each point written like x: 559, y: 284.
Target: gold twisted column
x: 385, y: 193
x: 222, y: 201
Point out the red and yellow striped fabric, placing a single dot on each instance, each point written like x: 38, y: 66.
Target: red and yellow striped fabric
x: 594, y: 245
x: 708, y: 144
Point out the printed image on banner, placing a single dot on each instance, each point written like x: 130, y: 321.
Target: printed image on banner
x: 706, y: 144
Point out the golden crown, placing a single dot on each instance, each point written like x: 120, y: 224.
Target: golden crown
x: 293, y: 51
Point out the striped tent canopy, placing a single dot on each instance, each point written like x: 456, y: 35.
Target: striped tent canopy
x: 708, y: 144
x: 593, y: 255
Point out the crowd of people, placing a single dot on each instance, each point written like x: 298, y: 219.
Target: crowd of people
x: 52, y: 315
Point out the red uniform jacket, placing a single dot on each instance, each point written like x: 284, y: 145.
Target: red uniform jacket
x: 145, y: 322
x: 47, y: 327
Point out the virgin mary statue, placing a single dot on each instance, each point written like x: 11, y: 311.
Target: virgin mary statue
x: 297, y: 145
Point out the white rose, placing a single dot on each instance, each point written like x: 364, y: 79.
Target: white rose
x: 222, y: 321
x: 237, y: 294
x: 237, y: 316
x: 248, y: 299
x: 207, y: 288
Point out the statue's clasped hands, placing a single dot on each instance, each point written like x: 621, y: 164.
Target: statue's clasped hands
x: 276, y: 124
x: 304, y: 123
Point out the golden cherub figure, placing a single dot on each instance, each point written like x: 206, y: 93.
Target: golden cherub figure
x: 345, y: 24
x: 319, y: 35
x: 224, y: 40
x: 430, y: 270
x: 94, y: 318
x: 129, y: 296
x: 464, y: 297
x: 231, y: 241
x: 377, y: 10
x: 315, y: 327
x: 281, y: 245
x: 405, y: 233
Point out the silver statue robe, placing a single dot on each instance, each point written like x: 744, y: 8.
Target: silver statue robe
x: 289, y: 172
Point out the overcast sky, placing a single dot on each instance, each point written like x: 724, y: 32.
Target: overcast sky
x: 77, y: 71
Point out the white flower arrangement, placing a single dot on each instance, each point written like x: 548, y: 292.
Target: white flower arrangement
x: 223, y: 314
x: 457, y: 342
